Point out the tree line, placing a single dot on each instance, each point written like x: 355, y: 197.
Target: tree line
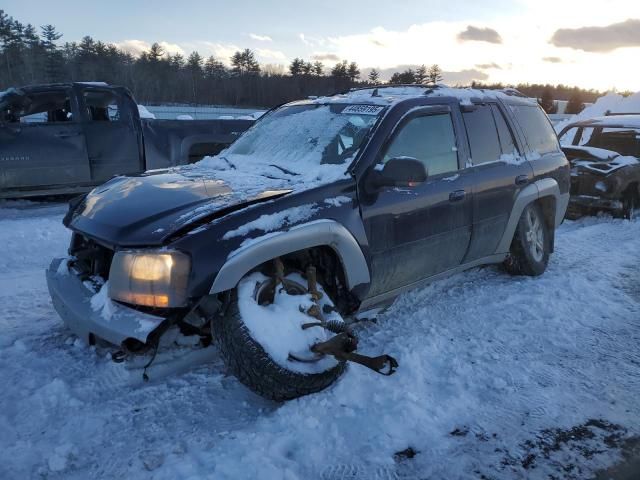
x: 30, y: 55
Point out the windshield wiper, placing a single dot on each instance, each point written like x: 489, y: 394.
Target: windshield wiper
x: 284, y: 170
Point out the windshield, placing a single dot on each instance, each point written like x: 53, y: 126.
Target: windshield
x: 300, y: 137
x: 622, y: 140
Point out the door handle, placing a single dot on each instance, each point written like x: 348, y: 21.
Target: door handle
x: 66, y: 135
x: 457, y: 195
x: 522, y: 179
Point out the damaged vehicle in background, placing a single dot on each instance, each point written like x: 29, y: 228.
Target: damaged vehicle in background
x: 605, y: 165
x: 67, y: 138
x: 317, y: 217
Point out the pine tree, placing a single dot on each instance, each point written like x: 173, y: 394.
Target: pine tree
x: 575, y: 103
x: 406, y: 77
x: 546, y: 101
x: 245, y: 63
x: 295, y: 68
x: 214, y: 68
x: 373, y: 76
x: 156, y: 52
x: 318, y: 68
x: 307, y: 68
x: 339, y: 70
x: 434, y: 75
x: 53, y: 57
x: 421, y: 74
x: 353, y: 72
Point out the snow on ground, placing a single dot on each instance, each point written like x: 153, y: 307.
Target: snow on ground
x: 499, y: 378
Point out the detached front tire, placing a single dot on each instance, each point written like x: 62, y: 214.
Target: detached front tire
x: 249, y: 359
x: 531, y: 245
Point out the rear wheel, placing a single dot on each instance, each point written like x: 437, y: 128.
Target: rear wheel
x: 531, y: 245
x: 263, y: 343
x: 630, y: 206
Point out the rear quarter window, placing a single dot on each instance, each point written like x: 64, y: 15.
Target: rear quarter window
x: 536, y: 127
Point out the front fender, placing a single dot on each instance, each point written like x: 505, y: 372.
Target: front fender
x: 313, y: 234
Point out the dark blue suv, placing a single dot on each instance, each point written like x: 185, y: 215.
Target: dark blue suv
x: 321, y: 214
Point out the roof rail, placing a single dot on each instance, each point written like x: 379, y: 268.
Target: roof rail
x: 609, y: 113
x: 512, y: 92
x: 377, y: 87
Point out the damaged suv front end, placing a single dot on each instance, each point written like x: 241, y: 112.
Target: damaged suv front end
x: 605, y: 168
x: 146, y: 249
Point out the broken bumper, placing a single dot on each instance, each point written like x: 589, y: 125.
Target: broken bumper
x: 592, y: 201
x: 72, y: 300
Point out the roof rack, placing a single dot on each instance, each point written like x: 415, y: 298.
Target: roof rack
x: 512, y: 92
x: 377, y: 87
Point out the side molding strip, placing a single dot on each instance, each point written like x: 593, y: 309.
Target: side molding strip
x: 312, y: 234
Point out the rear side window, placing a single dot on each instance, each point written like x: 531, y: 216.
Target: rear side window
x: 536, y: 127
x: 429, y: 139
x: 482, y: 134
x: 102, y: 106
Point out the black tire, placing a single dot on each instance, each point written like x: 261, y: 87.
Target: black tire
x: 527, y: 256
x: 249, y: 362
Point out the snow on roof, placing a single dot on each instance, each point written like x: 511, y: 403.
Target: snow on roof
x: 632, y: 121
x: 387, y: 94
x: 609, y: 103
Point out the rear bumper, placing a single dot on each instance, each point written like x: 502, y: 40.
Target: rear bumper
x: 72, y: 300
x: 592, y: 201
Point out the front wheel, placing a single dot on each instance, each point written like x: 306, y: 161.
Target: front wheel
x: 531, y: 245
x: 263, y: 343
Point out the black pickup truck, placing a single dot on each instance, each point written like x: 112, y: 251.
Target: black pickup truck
x: 66, y: 138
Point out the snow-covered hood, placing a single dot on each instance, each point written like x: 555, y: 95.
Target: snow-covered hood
x: 146, y: 209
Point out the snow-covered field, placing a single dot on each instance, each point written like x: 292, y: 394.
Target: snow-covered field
x: 499, y: 378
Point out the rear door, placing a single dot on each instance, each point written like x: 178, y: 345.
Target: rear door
x: 111, y: 130
x: 501, y: 173
x: 42, y: 143
x: 419, y: 231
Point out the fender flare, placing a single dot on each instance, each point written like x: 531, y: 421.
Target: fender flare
x: 546, y: 187
x: 313, y: 234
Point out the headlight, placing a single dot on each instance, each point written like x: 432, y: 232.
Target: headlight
x: 153, y: 279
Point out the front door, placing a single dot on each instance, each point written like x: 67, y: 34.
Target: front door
x: 112, y: 139
x: 419, y: 231
x: 42, y: 143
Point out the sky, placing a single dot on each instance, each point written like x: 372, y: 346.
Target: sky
x: 592, y: 44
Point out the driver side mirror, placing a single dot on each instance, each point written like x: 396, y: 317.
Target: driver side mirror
x: 400, y: 172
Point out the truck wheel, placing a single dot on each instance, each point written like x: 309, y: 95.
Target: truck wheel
x: 262, y: 341
x: 530, y: 248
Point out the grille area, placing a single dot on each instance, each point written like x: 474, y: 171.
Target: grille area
x: 90, y: 258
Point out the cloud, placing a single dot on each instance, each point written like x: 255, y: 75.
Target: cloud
x: 324, y: 57
x: 477, y: 34
x: 260, y: 38
x: 552, y: 59
x: 599, y: 39
x: 266, y: 53
x: 137, y: 47
x: 487, y: 66
x: 377, y: 43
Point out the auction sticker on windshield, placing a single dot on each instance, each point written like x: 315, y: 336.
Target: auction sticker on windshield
x: 363, y: 110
